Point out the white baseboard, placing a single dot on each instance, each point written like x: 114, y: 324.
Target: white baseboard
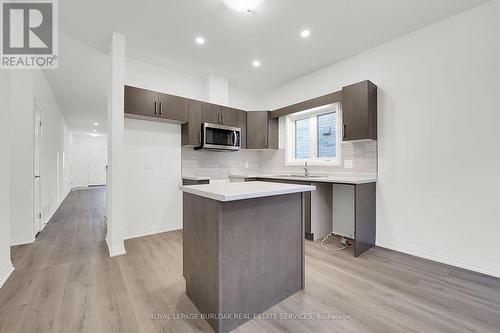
x: 445, y: 259
x: 23, y: 240
x: 142, y: 232
x: 5, y: 273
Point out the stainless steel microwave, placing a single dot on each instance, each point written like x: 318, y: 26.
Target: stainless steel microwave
x: 220, y: 137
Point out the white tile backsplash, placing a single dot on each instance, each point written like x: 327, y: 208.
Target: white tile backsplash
x: 219, y: 165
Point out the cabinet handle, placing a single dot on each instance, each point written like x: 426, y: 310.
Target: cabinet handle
x: 222, y: 118
x: 199, y: 138
x: 155, y: 107
x: 161, y: 108
x: 343, y: 131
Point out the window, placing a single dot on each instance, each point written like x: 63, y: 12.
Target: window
x: 311, y: 136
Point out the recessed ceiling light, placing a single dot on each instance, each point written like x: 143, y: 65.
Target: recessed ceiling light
x: 256, y: 63
x: 94, y: 131
x: 96, y: 124
x: 93, y: 134
x: 200, y: 40
x: 243, y: 5
x: 305, y: 33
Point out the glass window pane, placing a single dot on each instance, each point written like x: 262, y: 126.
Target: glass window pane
x: 302, y: 139
x: 327, y: 135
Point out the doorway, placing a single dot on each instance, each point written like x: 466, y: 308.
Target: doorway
x: 37, y: 168
x: 97, y: 167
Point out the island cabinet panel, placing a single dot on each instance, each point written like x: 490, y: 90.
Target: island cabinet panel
x: 141, y: 102
x: 191, y: 131
x: 242, y: 257
x: 262, y: 130
x: 359, y: 111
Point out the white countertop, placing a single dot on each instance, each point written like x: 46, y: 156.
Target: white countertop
x: 339, y: 178
x: 195, y: 177
x: 244, y: 190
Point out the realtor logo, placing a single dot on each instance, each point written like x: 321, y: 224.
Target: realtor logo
x: 29, y: 34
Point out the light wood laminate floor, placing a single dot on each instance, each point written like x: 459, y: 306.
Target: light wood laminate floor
x: 65, y: 282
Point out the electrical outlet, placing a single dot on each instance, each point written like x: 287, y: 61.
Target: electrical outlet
x: 247, y: 165
x: 348, y: 164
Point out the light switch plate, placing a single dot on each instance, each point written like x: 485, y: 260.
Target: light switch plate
x: 246, y: 165
x: 348, y: 164
x: 147, y: 165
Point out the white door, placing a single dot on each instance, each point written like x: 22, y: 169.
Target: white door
x: 97, y: 167
x: 37, y: 184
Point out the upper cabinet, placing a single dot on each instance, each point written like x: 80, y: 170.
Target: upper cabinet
x: 229, y: 116
x: 147, y: 104
x: 242, y: 123
x: 141, y: 102
x: 173, y: 107
x: 221, y: 115
x: 191, y: 131
x: 210, y: 113
x: 262, y: 130
x: 359, y: 111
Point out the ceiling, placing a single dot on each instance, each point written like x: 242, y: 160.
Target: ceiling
x: 162, y: 32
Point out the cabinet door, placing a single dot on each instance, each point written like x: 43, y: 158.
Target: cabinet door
x: 210, y: 113
x: 194, y: 124
x: 141, y: 102
x: 257, y: 129
x: 242, y: 123
x: 229, y: 116
x: 173, y: 107
x: 359, y: 111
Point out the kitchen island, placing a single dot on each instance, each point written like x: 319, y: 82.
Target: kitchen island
x: 243, y: 248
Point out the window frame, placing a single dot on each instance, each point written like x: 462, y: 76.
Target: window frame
x: 312, y: 114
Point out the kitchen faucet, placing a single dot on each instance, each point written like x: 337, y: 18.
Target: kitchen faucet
x: 306, y: 169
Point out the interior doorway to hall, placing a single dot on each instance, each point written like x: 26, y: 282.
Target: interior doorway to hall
x: 88, y: 160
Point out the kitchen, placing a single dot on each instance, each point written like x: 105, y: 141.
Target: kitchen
x: 287, y: 166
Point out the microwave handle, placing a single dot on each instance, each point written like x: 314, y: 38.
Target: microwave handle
x: 235, y: 138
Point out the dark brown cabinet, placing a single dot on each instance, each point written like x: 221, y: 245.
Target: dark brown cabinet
x: 262, y: 130
x: 359, y: 111
x: 173, y: 107
x: 229, y: 116
x: 142, y: 103
x: 210, y: 113
x: 242, y: 123
x: 191, y: 131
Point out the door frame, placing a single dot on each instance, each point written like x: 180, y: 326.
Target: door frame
x: 38, y: 124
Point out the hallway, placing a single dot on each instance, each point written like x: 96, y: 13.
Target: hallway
x: 66, y: 282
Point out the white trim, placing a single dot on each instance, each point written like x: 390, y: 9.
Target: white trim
x: 23, y: 240
x: 5, y: 273
x: 117, y: 252
x: 482, y: 268
x: 289, y: 136
x: 142, y: 232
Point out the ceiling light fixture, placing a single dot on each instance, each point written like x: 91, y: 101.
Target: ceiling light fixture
x: 256, y: 63
x: 200, y: 40
x: 94, y: 131
x: 305, y: 33
x: 96, y: 124
x: 247, y: 6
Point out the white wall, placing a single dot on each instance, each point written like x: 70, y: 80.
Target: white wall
x: 6, y: 267
x: 79, y: 157
x: 28, y: 86
x: 55, y: 140
x: 439, y: 156
x: 152, y: 160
